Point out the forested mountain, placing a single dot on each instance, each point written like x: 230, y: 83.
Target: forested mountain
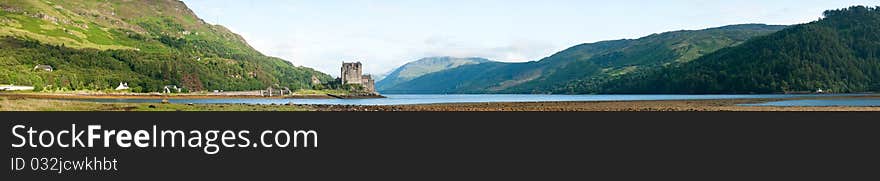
x: 592, y: 62
x: 424, y: 66
x: 839, y: 53
x: 95, y: 45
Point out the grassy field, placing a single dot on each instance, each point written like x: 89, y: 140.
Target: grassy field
x: 27, y: 104
x: 322, y: 92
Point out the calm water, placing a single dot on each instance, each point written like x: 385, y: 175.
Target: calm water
x: 403, y: 99
x: 830, y: 102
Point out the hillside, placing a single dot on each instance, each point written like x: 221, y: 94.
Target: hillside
x: 423, y: 66
x: 585, y: 63
x: 95, y: 45
x: 839, y: 53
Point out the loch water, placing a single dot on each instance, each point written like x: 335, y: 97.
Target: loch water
x: 405, y: 99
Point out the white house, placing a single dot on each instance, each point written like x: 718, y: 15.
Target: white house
x: 15, y: 88
x: 122, y: 86
x: 171, y: 89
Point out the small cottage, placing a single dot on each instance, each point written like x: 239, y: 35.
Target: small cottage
x: 171, y: 89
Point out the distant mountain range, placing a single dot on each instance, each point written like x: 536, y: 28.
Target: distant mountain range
x: 95, y: 45
x: 839, y: 53
x: 592, y: 62
x: 424, y: 66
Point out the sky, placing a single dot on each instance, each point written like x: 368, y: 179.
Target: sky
x: 385, y: 34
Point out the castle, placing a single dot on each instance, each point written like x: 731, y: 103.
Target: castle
x: 352, y: 73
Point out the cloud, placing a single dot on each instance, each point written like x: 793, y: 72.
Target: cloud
x: 387, y: 34
x: 519, y: 50
x: 325, y: 51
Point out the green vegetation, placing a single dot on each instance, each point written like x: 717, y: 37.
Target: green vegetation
x: 839, y: 53
x: 95, y: 45
x: 579, y: 68
x: 335, y: 87
x: 89, y: 69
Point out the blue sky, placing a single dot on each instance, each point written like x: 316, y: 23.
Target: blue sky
x: 384, y: 34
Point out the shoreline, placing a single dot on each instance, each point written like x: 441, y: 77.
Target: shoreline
x: 43, y: 102
x: 724, y: 105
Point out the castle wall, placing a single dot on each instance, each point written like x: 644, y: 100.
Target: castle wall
x: 368, y: 83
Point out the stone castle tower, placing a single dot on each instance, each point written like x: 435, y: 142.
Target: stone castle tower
x: 352, y: 73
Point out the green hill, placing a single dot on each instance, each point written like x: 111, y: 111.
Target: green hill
x: 575, y: 69
x: 839, y: 53
x: 421, y: 67
x: 95, y: 45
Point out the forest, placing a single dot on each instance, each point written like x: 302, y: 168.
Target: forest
x: 839, y: 53
x: 102, y: 70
